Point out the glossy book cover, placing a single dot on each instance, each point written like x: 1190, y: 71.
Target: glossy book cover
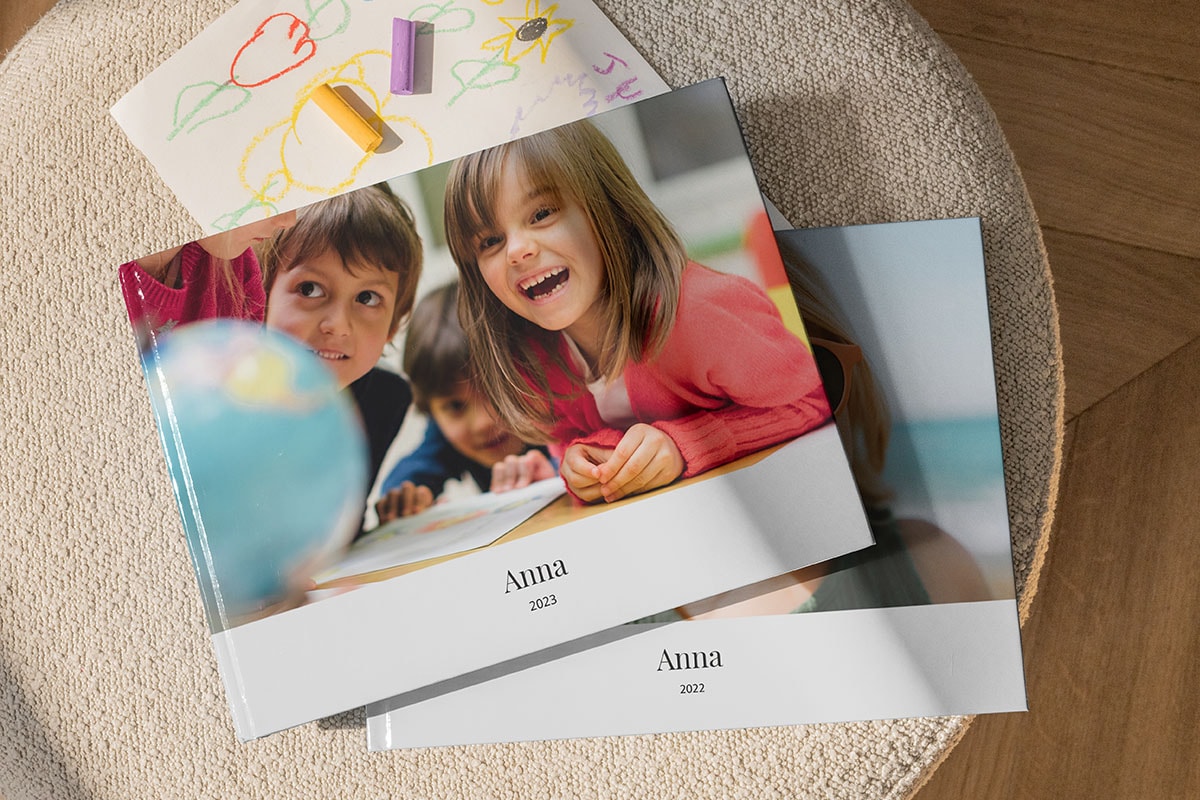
x: 923, y: 623
x: 479, y: 410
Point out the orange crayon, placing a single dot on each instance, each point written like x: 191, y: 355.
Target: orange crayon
x: 346, y: 118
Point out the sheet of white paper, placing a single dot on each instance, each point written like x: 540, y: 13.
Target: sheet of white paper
x: 445, y: 529
x: 227, y: 123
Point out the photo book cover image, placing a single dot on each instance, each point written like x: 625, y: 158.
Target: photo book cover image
x: 565, y: 373
x: 923, y: 623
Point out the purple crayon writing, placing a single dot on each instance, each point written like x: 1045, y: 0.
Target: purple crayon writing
x: 404, y: 40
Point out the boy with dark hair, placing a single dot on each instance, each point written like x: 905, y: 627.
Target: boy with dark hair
x: 464, y: 436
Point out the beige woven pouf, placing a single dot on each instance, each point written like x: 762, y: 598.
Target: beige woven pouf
x: 855, y: 113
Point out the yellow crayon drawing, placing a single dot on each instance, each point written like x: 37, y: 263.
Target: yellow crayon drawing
x: 534, y: 30
x: 275, y: 162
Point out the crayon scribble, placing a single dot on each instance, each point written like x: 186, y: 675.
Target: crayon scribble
x: 445, y: 16
x: 612, y: 64
x: 238, y: 217
x: 197, y: 104
x: 277, y: 161
x: 280, y: 43
x: 624, y: 90
x: 534, y: 30
x: 480, y: 74
x: 327, y: 14
x: 578, y: 82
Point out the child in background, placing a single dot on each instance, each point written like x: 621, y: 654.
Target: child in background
x: 463, y: 436
x: 342, y: 280
x: 592, y: 330
x: 217, y: 276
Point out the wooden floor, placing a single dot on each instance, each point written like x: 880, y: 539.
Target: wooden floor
x: 1100, y: 101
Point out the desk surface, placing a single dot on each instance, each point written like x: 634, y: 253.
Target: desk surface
x: 560, y: 512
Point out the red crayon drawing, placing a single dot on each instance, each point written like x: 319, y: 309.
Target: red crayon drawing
x: 281, y: 39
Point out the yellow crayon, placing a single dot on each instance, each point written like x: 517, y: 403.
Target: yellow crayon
x: 346, y: 118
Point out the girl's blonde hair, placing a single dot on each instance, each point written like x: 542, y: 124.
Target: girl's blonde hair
x: 643, y: 265
x: 864, y: 423
x: 368, y: 227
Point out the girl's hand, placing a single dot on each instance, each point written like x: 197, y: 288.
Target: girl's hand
x: 579, y: 470
x: 645, y: 458
x: 517, y: 472
x: 403, y: 501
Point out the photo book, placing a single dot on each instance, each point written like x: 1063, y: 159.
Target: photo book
x: 923, y: 623
x: 472, y: 412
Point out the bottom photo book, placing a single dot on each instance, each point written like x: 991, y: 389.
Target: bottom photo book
x: 922, y: 623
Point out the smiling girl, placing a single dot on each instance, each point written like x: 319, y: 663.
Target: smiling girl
x: 590, y: 328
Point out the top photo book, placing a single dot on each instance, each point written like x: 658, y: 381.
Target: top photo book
x: 472, y: 412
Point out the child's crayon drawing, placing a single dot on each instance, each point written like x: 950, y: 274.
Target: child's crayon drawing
x: 576, y: 86
x: 279, y: 45
x: 227, y: 123
x: 533, y: 30
x: 482, y: 74
x: 579, y: 90
x: 444, y: 18
x: 624, y: 90
x: 328, y: 18
x: 198, y: 103
x: 536, y: 29
x: 274, y: 163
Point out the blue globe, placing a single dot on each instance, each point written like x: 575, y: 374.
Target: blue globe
x: 267, y: 457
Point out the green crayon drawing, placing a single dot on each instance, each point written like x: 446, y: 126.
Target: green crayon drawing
x: 476, y: 74
x: 337, y: 18
x: 445, y: 17
x: 258, y: 202
x: 199, y: 101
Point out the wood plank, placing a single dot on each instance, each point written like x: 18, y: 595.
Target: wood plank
x: 16, y: 18
x: 1104, y: 151
x: 1121, y: 310
x: 985, y: 759
x: 1112, y: 646
x: 1161, y: 38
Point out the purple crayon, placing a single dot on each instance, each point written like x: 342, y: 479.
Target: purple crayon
x: 404, y: 39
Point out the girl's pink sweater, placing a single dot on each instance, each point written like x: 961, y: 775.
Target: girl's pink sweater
x: 730, y: 380
x: 204, y: 293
